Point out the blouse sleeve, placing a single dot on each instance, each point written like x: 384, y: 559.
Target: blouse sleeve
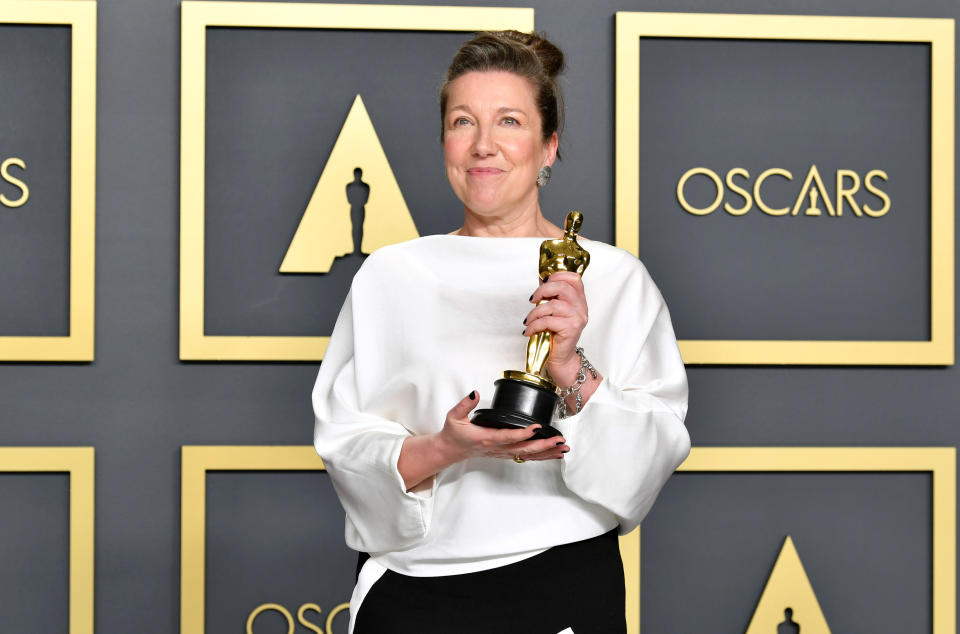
x: 360, y: 451
x: 630, y: 437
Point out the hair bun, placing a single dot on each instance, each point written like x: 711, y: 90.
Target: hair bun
x: 551, y: 57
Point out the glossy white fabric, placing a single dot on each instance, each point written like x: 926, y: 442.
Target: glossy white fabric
x: 429, y: 320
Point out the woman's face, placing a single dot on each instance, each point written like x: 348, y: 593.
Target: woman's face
x: 493, y: 143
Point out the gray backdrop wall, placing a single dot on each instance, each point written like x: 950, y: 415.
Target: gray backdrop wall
x: 709, y: 542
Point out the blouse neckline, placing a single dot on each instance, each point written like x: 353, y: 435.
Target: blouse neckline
x: 505, y: 238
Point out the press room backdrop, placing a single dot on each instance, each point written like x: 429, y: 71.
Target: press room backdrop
x: 201, y: 342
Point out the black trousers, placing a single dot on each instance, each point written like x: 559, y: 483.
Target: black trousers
x: 577, y: 585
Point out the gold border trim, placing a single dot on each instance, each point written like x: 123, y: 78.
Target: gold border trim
x: 630, y: 554
x: 195, y: 18
x: 941, y: 462
x: 78, y: 463
x: 195, y: 463
x: 939, y: 33
x: 81, y: 16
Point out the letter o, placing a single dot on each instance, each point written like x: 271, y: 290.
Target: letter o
x: 271, y: 606
x: 683, y: 181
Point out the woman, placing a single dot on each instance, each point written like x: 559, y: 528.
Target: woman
x: 471, y: 529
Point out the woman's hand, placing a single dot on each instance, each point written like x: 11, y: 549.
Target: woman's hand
x: 467, y: 440
x: 564, y: 313
x: 422, y: 457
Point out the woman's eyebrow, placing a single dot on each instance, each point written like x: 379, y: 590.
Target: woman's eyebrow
x: 500, y: 110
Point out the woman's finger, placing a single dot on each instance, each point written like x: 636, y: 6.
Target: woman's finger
x: 498, y: 443
x: 556, y: 325
x: 512, y: 437
x: 461, y: 409
x: 556, y: 307
x: 566, y: 276
x: 559, y: 279
x: 551, y: 453
x: 570, y: 291
x: 531, y: 447
x: 555, y: 453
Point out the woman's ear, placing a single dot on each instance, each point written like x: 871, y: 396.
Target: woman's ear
x: 550, y: 149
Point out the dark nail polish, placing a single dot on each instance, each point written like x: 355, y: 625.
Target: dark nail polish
x: 558, y: 444
x: 531, y: 298
x: 473, y: 395
x: 564, y: 451
x: 524, y: 321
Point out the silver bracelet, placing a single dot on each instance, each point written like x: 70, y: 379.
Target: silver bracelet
x: 585, y: 365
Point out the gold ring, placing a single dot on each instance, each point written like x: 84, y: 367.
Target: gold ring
x: 518, y: 459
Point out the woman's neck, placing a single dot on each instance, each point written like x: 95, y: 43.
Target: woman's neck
x: 532, y: 225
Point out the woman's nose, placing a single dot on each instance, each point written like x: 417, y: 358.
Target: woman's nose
x: 483, y: 142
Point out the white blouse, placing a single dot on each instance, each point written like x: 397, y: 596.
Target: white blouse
x: 429, y: 320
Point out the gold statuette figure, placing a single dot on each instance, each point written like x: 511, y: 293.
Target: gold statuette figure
x: 526, y: 397
x: 564, y: 254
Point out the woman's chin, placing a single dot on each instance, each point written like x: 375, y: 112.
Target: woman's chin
x: 496, y: 206
x: 485, y: 207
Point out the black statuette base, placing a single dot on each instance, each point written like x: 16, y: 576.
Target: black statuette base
x: 518, y: 404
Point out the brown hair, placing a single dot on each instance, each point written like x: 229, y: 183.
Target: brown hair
x: 529, y: 55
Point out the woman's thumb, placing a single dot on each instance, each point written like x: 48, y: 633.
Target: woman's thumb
x: 467, y: 403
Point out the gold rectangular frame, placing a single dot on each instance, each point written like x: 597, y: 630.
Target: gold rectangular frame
x: 630, y: 554
x: 940, y: 462
x: 81, y: 16
x: 78, y: 463
x: 196, y: 17
x: 198, y: 460
x: 939, y: 33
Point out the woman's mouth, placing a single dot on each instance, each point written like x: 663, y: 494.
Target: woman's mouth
x: 484, y: 171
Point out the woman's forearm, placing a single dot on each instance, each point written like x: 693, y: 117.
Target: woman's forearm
x: 422, y: 457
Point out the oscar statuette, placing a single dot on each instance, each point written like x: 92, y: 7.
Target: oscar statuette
x: 523, y: 398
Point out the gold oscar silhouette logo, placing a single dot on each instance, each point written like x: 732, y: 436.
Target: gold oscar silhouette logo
x: 788, y: 602
x: 356, y: 206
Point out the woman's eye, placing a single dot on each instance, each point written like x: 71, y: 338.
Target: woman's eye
x: 510, y: 121
x: 461, y: 121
